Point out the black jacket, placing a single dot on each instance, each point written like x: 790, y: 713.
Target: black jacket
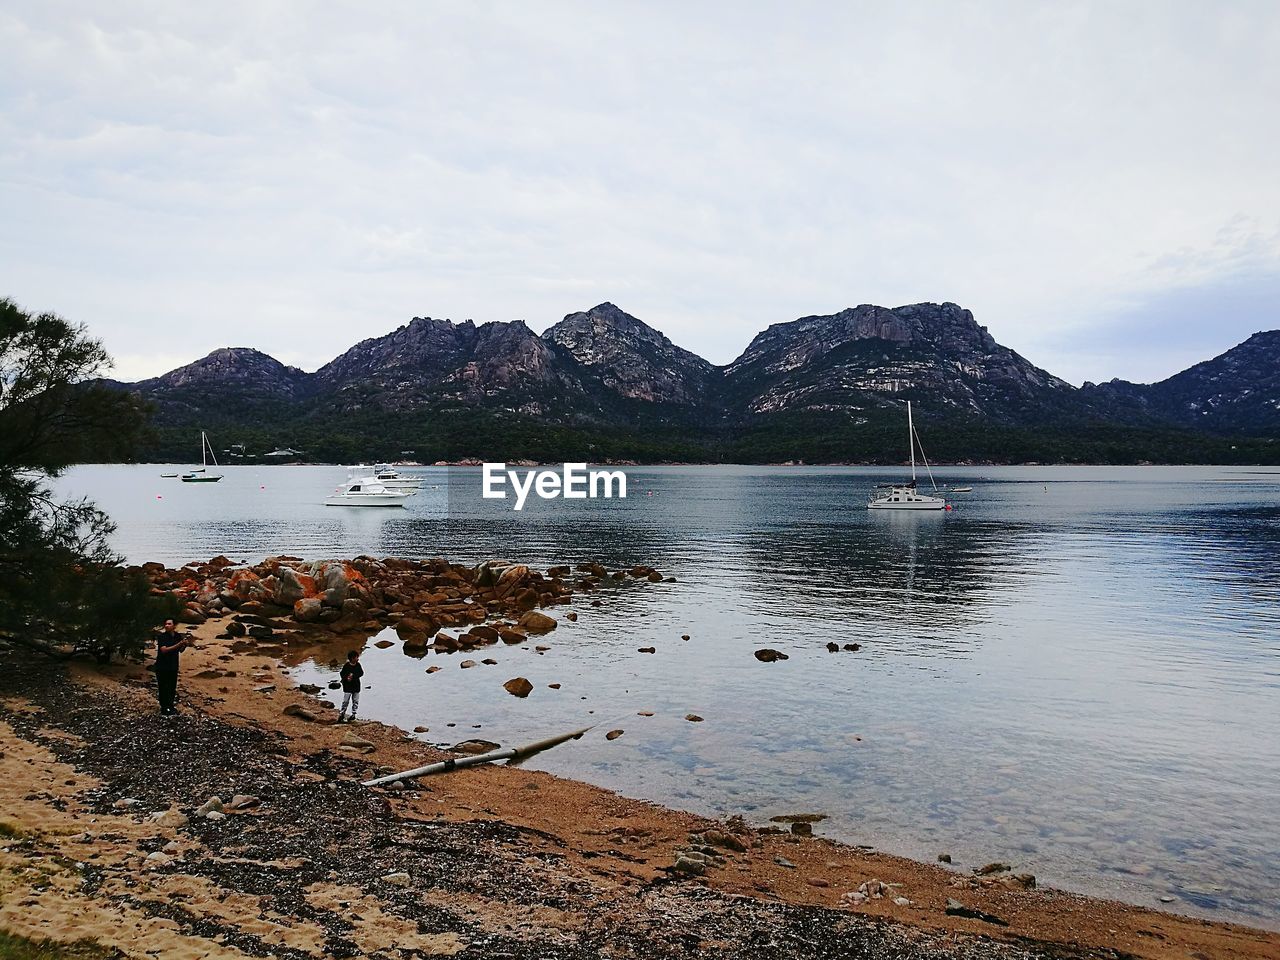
x: 351, y: 674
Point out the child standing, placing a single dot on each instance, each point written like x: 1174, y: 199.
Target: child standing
x: 351, y: 674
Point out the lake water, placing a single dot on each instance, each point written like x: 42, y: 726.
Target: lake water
x: 1077, y: 670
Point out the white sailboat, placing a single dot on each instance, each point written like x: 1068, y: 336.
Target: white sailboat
x: 206, y: 454
x: 905, y: 496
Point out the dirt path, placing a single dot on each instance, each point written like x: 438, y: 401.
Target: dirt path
x: 99, y: 838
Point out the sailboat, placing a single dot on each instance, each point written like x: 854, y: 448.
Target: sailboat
x: 905, y: 496
x: 206, y: 454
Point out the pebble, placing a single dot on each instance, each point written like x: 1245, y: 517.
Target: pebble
x: 215, y: 815
x: 784, y: 862
x: 693, y: 718
x: 399, y: 878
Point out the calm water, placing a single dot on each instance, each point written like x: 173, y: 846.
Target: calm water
x: 1077, y: 670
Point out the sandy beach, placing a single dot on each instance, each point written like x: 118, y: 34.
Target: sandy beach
x: 101, y: 838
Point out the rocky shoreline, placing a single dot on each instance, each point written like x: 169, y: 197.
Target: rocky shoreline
x: 240, y: 828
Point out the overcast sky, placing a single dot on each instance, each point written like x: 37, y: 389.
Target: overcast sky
x: 1099, y: 183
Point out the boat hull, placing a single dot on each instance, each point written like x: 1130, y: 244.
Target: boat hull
x: 371, y: 500
x: 930, y: 504
x: 200, y: 479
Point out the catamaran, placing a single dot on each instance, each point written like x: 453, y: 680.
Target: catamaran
x: 905, y: 496
x: 206, y: 454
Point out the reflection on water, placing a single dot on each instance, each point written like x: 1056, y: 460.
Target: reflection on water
x: 1077, y: 670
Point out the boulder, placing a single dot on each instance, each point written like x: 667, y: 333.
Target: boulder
x: 518, y: 687
x: 613, y: 734
x: 536, y: 622
x: 467, y: 664
x: 290, y: 587
x: 833, y: 647
x: 474, y: 747
x: 510, y: 636
x: 299, y: 711
x: 483, y: 634
x: 767, y: 655
x: 235, y: 629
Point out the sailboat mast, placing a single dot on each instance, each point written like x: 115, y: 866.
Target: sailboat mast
x: 204, y: 445
x: 911, y: 441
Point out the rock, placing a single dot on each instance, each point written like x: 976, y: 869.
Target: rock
x: 510, y: 636
x: 613, y: 734
x: 215, y: 815
x: 553, y: 686
x: 853, y: 647
x: 213, y: 803
x: 358, y: 743
x: 1019, y: 881
x: 434, y: 669
x: 301, y: 712
x: 1167, y: 899
x: 490, y: 661
x: 571, y: 616
x: 474, y: 747
x: 173, y: 817
x: 124, y: 803
x: 684, y: 636
x: 644, y: 713
x: 541, y: 648
x: 994, y: 867
x: 536, y: 622
x: 383, y: 644
x: 307, y: 609
x: 957, y: 909
x: 243, y: 801
x: 818, y: 882
x: 421, y: 729
x: 264, y: 688
x: 518, y: 687
x: 944, y: 858
x: 235, y: 629
x: 833, y: 647
x: 157, y: 860
x: 901, y: 902
x: 802, y: 828
x: 467, y: 664
x: 335, y: 684
x: 309, y: 688
x: 693, y: 718
x: 784, y: 862
x: 399, y: 878
x: 483, y: 634
x: 766, y: 655
x: 648, y: 649
x: 690, y: 866
x: 290, y: 588
x: 208, y: 674
x: 259, y: 632
x: 173, y: 846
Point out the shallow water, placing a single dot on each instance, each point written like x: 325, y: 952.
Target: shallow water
x: 1077, y: 670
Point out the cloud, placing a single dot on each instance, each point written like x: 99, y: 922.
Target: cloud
x: 294, y: 177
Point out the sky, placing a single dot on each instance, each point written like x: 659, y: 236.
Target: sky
x: 1098, y: 183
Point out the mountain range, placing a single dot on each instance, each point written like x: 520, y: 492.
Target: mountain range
x: 603, y: 385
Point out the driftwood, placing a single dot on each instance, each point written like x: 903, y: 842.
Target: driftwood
x: 511, y: 754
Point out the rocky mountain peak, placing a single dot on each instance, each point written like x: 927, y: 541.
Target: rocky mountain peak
x: 632, y: 358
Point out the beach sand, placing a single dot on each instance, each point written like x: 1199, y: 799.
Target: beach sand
x: 99, y: 839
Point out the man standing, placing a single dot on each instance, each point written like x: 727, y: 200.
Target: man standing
x: 351, y: 673
x: 169, y: 644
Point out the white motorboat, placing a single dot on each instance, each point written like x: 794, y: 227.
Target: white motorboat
x: 386, y: 475
x: 366, y: 492
x: 905, y: 496
x: 202, y: 475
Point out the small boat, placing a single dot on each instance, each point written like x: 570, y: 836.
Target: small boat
x: 386, y: 475
x: 962, y: 489
x: 206, y: 454
x: 366, y: 492
x: 905, y: 496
